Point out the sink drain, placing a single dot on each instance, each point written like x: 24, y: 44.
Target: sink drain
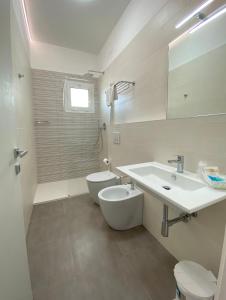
x: 166, y: 187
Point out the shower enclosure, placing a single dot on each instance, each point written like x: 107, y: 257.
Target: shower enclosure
x: 67, y: 142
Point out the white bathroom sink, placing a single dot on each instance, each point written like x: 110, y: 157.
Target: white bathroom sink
x: 186, y: 191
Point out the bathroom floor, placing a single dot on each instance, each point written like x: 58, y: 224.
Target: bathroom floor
x: 74, y: 255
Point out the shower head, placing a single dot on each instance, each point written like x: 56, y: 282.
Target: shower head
x: 88, y: 76
x: 92, y: 74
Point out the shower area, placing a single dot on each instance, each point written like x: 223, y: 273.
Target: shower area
x: 68, y: 135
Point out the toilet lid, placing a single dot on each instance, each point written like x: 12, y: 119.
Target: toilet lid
x: 101, y: 176
x: 195, y: 279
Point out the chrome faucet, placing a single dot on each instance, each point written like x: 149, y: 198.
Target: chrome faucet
x: 132, y: 184
x: 180, y: 163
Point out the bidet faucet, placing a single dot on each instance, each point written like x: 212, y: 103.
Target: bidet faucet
x: 132, y: 184
x: 180, y: 163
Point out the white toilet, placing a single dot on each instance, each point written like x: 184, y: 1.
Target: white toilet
x: 100, y: 180
x: 194, y: 282
x: 122, y: 206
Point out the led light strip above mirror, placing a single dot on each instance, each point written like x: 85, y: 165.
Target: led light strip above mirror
x: 193, y: 13
x: 217, y: 13
x: 206, y: 19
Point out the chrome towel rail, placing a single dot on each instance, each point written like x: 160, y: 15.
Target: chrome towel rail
x: 123, y: 86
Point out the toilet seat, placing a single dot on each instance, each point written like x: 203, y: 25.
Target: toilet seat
x: 195, y: 281
x: 101, y: 176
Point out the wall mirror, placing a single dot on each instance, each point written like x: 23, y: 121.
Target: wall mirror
x: 197, y: 72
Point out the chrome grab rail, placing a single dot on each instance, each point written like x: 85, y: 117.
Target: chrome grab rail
x: 40, y: 122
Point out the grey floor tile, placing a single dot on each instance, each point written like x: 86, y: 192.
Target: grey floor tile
x: 74, y: 254
x: 53, y: 263
x: 48, y: 210
x: 70, y: 290
x: 46, y: 230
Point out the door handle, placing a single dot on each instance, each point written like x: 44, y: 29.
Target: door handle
x: 19, y: 153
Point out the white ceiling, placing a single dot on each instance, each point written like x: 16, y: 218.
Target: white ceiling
x: 78, y: 24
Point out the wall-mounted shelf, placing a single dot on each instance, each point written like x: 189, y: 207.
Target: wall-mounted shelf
x: 41, y: 122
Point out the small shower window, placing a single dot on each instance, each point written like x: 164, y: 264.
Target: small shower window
x: 78, y: 97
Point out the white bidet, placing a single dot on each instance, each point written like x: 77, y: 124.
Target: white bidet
x: 122, y: 206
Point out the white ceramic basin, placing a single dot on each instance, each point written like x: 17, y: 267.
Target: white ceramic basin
x: 166, y: 177
x: 186, y: 191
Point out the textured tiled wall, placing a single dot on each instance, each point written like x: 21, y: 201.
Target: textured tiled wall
x: 66, y: 145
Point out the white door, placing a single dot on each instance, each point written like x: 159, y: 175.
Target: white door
x: 14, y: 274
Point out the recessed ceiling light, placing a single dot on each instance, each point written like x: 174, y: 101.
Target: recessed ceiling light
x: 192, y: 14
